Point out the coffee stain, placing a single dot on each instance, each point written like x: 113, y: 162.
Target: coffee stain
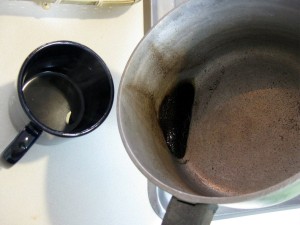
x: 34, y: 217
x: 175, y: 115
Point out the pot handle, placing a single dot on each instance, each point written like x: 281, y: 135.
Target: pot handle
x: 183, y: 213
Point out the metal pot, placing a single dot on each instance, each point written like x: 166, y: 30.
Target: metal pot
x: 233, y: 67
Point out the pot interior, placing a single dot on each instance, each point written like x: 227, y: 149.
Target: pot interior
x: 240, y: 134
x: 245, y: 122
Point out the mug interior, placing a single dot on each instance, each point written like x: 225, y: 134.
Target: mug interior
x: 65, y: 88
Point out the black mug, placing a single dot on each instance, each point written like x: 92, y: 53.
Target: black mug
x: 64, y: 90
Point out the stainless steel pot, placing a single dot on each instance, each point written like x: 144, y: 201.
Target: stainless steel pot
x: 238, y: 143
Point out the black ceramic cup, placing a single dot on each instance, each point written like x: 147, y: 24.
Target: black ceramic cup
x: 65, y: 90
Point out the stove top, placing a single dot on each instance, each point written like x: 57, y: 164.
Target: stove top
x: 86, y: 180
x: 160, y: 199
x: 90, y: 179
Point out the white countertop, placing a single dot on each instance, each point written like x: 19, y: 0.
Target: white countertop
x: 88, y: 180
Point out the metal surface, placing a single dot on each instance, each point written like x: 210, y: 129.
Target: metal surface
x: 244, y: 134
x: 182, y: 213
x: 242, y: 60
x: 160, y: 199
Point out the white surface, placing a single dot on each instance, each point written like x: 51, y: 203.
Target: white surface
x: 89, y: 180
x: 289, y: 217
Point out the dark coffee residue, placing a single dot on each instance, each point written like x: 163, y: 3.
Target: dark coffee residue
x: 175, y: 116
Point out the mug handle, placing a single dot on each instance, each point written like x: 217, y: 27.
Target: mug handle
x: 21, y: 144
x: 183, y: 213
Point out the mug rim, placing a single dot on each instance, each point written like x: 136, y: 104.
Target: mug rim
x: 30, y: 114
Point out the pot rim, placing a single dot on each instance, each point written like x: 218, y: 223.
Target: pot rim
x: 266, y: 197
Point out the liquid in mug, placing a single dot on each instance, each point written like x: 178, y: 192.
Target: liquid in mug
x: 54, y: 100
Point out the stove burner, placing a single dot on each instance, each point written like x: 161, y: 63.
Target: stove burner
x: 160, y: 199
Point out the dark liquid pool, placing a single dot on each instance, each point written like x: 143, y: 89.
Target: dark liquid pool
x: 175, y: 116
x: 54, y: 101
